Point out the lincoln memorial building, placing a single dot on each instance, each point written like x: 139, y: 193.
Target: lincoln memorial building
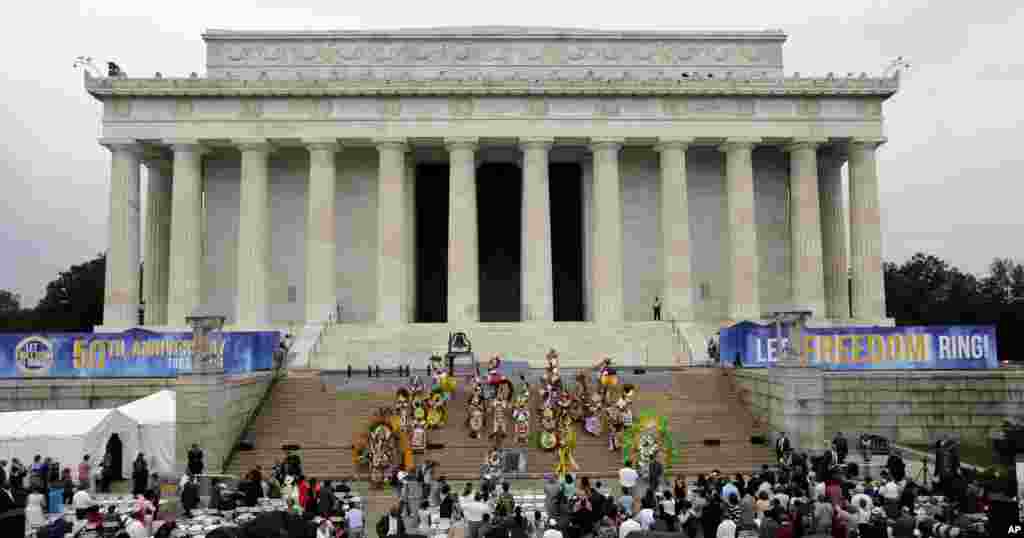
x: 534, y: 188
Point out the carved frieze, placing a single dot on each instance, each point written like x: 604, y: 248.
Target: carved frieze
x: 525, y: 59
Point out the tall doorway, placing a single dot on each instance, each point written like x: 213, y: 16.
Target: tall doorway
x: 431, y: 243
x: 566, y: 189
x: 499, y: 188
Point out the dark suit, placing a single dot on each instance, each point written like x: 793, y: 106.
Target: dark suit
x: 782, y: 447
x: 12, y: 515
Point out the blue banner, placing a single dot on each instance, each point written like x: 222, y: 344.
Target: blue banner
x: 952, y: 347
x: 133, y: 353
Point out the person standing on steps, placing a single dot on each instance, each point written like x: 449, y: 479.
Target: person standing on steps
x: 657, y: 309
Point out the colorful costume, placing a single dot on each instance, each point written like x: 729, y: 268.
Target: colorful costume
x: 566, y: 447
x: 592, y: 414
x: 419, y: 427
x: 648, y: 439
x: 549, y: 425
x: 403, y: 408
x: 475, y: 421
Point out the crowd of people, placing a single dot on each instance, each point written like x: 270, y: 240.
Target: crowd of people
x: 797, y: 498
x: 28, y: 493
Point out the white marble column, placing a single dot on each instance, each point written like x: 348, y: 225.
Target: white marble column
x: 463, y: 251
x: 253, y: 302
x: 742, y: 258
x: 676, y: 300
x: 321, y: 248
x: 607, y: 217
x: 866, y: 232
x: 186, y: 266
x: 158, y: 239
x: 391, y: 219
x: 833, y: 233
x: 121, y: 293
x: 537, y: 277
x: 806, y: 271
x: 587, y: 201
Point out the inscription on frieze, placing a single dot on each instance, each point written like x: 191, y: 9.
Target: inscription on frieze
x: 524, y: 57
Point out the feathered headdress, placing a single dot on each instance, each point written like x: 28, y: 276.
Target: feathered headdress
x: 645, y: 421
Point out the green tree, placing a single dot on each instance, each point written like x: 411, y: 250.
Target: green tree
x: 10, y: 302
x: 74, y: 300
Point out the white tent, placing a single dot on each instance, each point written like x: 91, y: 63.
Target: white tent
x: 66, y: 435
x: 155, y: 415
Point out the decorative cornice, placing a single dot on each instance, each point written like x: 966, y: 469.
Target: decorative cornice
x: 101, y: 88
x: 492, y: 32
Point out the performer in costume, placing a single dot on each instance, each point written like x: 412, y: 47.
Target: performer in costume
x: 580, y: 397
x: 566, y: 447
x: 499, y: 421
x: 592, y: 416
x: 549, y: 427
x: 493, y: 375
x: 437, y: 416
x: 475, y: 410
x: 521, y: 416
x: 418, y: 439
x: 403, y: 408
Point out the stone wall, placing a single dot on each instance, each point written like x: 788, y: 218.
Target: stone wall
x: 905, y: 406
x: 212, y: 411
x: 29, y: 394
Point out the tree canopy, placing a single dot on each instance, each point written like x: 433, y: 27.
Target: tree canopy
x: 926, y: 290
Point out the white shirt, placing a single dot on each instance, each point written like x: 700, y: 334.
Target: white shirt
x: 81, y: 500
x: 669, y: 507
x: 783, y: 500
x: 552, y: 533
x: 325, y: 530
x: 855, y: 501
x: 627, y: 527
x: 354, y: 517
x: 628, y: 477
x: 819, y: 490
x: 646, y: 518
x: 726, y: 529
x: 475, y: 511
x: 136, y: 529
x: 891, y: 491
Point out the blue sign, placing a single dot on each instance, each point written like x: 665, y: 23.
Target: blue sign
x: 951, y: 347
x: 133, y: 353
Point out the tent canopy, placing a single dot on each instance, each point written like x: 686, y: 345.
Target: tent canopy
x: 155, y: 415
x: 66, y: 435
x: 155, y: 409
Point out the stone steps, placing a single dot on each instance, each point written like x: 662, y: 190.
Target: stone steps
x: 701, y: 405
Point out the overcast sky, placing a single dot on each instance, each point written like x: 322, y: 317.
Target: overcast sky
x: 952, y: 173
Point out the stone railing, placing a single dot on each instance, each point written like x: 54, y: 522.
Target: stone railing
x: 556, y: 83
x: 309, y: 339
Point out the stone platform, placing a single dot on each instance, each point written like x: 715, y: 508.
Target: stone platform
x: 579, y: 344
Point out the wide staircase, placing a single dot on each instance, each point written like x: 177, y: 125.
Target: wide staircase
x: 712, y: 429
